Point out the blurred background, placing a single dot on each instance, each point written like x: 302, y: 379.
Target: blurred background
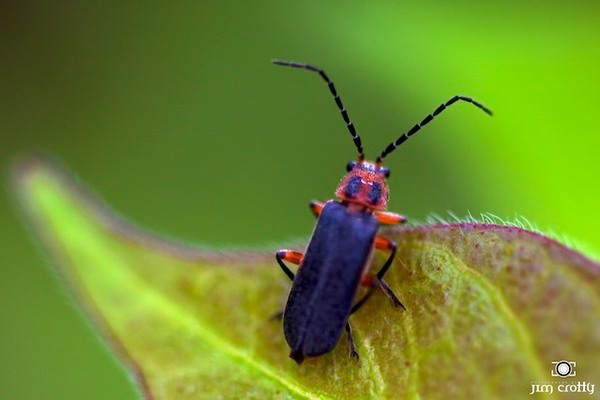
x: 174, y: 116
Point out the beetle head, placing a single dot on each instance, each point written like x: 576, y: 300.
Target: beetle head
x: 365, y: 184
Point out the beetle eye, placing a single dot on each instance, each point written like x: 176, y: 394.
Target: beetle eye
x: 386, y: 172
x: 350, y: 166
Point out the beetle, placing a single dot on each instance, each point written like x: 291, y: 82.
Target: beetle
x: 339, y: 252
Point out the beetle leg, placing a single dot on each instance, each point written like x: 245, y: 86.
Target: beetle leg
x: 351, y: 345
x: 389, y: 218
x: 374, y: 281
x: 316, y: 207
x: 291, y: 256
x: 384, y: 243
x: 389, y: 293
x: 295, y: 258
x: 377, y: 280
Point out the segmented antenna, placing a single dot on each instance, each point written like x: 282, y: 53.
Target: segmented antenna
x: 392, y: 146
x: 336, y: 97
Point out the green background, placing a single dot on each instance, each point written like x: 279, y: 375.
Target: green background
x: 174, y: 115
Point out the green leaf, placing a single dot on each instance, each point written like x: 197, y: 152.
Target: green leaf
x: 488, y: 308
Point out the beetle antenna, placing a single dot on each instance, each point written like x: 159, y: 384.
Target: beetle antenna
x: 392, y: 146
x: 336, y: 97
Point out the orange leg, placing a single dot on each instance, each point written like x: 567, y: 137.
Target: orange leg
x: 288, y: 255
x: 316, y: 207
x: 389, y: 218
x: 382, y: 243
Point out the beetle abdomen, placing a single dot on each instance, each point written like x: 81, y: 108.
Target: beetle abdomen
x: 324, y: 287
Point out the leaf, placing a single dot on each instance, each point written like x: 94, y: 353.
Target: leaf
x: 488, y: 308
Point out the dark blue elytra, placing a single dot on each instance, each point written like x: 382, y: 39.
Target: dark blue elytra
x: 321, y: 297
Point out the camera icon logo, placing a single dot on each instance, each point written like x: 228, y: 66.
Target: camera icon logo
x: 564, y: 368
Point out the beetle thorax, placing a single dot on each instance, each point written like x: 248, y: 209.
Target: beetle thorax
x: 366, y: 185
